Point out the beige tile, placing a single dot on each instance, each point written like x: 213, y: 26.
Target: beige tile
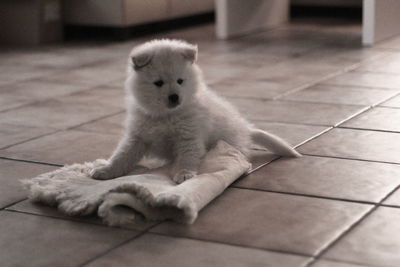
x: 65, y: 147
x: 49, y: 58
x: 394, y: 199
x: 218, y: 72
x: 28, y: 240
x: 388, y: 64
x: 394, y: 102
x: 367, y: 79
x: 11, y: 134
x: 39, y: 89
x: 392, y: 43
x: 295, y: 112
x: 376, y: 241
x: 88, y: 75
x: 111, y: 125
x: 158, y: 250
x: 341, y: 95
x: 11, y: 190
x: 295, y: 134
x: 356, y: 144
x: 27, y: 206
x: 327, y: 177
x: 67, y: 111
x: 270, y: 221
x: 24, y: 92
x: 14, y: 72
x: 383, y: 119
x: 330, y: 263
x: 252, y: 89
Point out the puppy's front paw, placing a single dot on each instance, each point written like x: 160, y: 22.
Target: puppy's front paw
x: 103, y: 173
x: 183, y: 175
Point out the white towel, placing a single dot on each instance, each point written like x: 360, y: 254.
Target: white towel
x: 148, y: 192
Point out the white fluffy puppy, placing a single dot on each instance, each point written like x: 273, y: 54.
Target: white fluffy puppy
x: 173, y: 115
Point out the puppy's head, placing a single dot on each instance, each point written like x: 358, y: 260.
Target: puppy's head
x: 162, y: 75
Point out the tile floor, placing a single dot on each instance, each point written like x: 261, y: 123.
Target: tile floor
x: 311, y: 83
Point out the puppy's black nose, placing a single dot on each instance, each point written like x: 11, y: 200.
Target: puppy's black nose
x: 173, y: 99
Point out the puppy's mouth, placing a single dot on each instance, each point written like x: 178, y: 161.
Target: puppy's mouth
x: 173, y: 101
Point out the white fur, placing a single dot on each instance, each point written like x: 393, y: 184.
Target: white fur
x: 182, y: 133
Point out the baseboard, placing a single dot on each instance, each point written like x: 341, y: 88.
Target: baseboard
x: 298, y: 11
x: 80, y: 32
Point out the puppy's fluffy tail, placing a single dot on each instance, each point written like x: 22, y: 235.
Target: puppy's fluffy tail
x: 273, y: 143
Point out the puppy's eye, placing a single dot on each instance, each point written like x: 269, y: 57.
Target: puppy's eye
x: 179, y: 81
x: 159, y: 83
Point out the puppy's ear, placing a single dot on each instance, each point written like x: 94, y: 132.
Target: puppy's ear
x: 190, y: 53
x: 140, y: 59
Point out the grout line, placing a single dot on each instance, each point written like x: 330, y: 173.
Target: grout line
x: 349, y: 262
x: 69, y: 219
x: 37, y: 101
x: 314, y: 137
x: 367, y: 129
x: 321, y: 80
x: 353, y: 116
x: 63, y: 130
x: 32, y: 161
x: 390, y: 206
x: 13, y: 203
x: 289, y: 122
x: 377, y: 72
x: 351, y: 227
x: 388, y: 107
x: 306, y: 195
x: 361, y: 86
x: 231, y: 244
x: 117, y: 246
x: 357, y: 159
x: 94, y: 120
x: 31, y: 139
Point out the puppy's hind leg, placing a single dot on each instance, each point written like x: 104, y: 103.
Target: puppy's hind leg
x: 273, y: 143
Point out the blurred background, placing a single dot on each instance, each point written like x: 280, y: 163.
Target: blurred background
x: 322, y: 74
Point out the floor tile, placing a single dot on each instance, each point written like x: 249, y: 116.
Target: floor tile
x: 329, y: 263
x: 367, y: 79
x: 341, y: 95
x: 383, y: 119
x: 294, y: 134
x: 394, y: 102
x: 388, y: 64
x: 90, y: 76
x: 327, y: 177
x: 27, y: 206
x: 392, y: 43
x: 219, y: 72
x: 29, y: 240
x: 25, y: 92
x: 356, y: 144
x: 252, y: 89
x: 11, y: 134
x: 269, y: 220
x: 11, y: 189
x: 67, y: 111
x: 112, y: 125
x: 295, y: 112
x: 51, y: 58
x: 13, y: 72
x: 376, y: 241
x: 157, y: 250
x: 394, y: 199
x: 65, y: 147
x: 39, y: 89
